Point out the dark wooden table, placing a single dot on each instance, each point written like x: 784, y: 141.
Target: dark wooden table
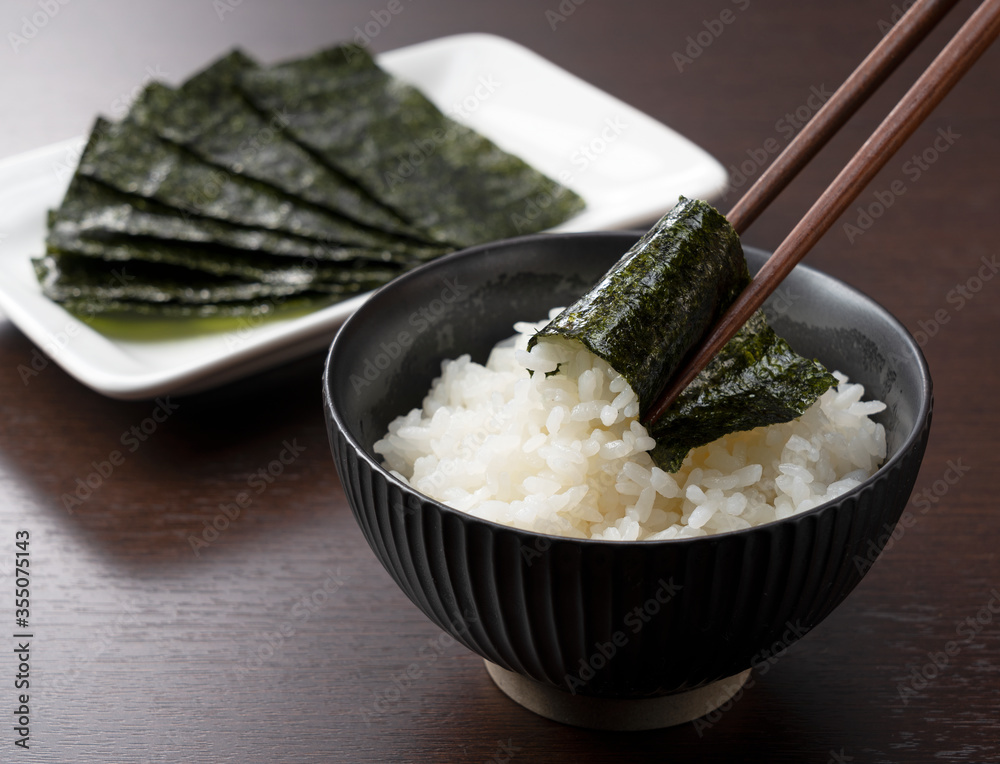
x: 284, y: 640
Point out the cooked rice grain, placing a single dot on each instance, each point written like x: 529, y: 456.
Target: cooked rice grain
x: 565, y: 455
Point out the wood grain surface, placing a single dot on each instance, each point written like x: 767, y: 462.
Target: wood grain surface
x: 283, y: 640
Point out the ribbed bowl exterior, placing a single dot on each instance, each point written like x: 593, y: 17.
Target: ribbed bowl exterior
x: 613, y: 619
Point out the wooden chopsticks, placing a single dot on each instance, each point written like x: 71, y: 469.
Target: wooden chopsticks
x: 951, y: 64
x: 893, y: 49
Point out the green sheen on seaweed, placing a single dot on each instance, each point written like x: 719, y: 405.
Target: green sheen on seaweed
x: 437, y: 174
x: 647, y: 313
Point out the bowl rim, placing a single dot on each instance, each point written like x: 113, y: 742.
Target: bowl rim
x: 920, y: 422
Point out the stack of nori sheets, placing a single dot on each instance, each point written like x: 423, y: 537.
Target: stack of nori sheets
x: 249, y: 186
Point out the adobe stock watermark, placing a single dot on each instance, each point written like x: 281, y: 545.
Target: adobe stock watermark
x: 257, y: 482
x: 913, y: 169
x: 131, y: 439
x: 780, y: 302
x: 211, y: 187
x: 65, y: 168
x: 223, y: 8
x: 121, y: 104
x: 760, y: 664
x: 559, y: 14
x: 264, y: 310
x: 403, y: 681
x: 583, y: 157
x: 897, y: 12
x: 921, y: 676
x: 955, y: 470
x: 589, y: 152
x: 57, y: 342
x: 786, y: 127
x: 422, y: 149
x: 712, y: 30
x: 506, y: 750
x: 270, y: 643
x: 250, y: 147
x: 380, y: 19
x: 37, y: 21
x: 959, y: 296
x: 634, y: 621
x: 419, y: 321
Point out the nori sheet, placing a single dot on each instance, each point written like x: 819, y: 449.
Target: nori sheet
x: 439, y: 175
x: 660, y: 298
x: 219, y: 261
x: 137, y: 161
x: 755, y: 380
x: 210, y: 117
x: 66, y: 276
x: 650, y: 310
x: 93, y: 208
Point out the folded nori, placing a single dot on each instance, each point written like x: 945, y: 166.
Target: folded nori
x: 755, y: 380
x: 440, y: 176
x: 660, y: 298
x: 648, y: 312
x: 136, y: 161
x: 210, y: 117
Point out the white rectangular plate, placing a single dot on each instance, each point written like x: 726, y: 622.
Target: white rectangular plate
x: 628, y: 167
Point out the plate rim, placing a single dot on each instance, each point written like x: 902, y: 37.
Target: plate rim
x: 271, y: 344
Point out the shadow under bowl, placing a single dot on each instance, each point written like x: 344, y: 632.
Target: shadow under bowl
x: 584, y: 621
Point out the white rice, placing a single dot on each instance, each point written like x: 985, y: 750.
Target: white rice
x: 565, y: 454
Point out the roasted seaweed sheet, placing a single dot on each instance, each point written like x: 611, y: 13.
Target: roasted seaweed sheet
x: 91, y: 208
x: 160, y: 290
x: 647, y: 313
x: 136, y: 161
x: 439, y: 175
x: 201, y: 203
x: 755, y: 380
x: 218, y: 261
x: 65, y: 276
x: 209, y: 116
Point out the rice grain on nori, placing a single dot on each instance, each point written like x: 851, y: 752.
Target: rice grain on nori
x: 646, y: 314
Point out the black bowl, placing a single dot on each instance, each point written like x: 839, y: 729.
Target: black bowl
x: 609, y: 619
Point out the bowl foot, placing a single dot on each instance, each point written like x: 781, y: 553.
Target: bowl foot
x: 615, y: 713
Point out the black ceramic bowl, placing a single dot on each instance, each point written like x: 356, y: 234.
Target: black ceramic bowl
x: 606, y: 619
